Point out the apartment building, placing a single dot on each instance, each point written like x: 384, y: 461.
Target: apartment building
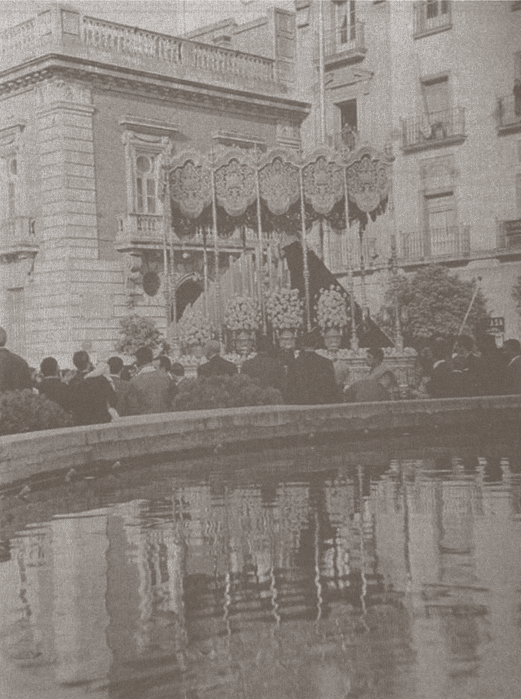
x: 433, y: 81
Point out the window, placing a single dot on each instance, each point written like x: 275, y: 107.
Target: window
x: 436, y: 8
x: 436, y: 95
x: 345, y: 22
x: 441, y: 224
x: 348, y: 115
x: 146, y: 185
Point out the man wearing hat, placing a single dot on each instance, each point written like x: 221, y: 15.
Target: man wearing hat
x: 311, y: 378
x: 216, y: 365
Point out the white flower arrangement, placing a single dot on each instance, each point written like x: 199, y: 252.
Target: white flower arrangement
x: 331, y: 309
x: 242, y: 313
x: 284, y: 309
x: 194, y: 329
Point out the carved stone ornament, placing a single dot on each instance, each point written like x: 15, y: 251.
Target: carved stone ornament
x: 279, y: 183
x: 368, y: 179
x: 191, y: 184
x: 323, y: 183
x: 59, y: 90
x: 235, y: 184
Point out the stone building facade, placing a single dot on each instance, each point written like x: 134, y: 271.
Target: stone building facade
x: 88, y: 108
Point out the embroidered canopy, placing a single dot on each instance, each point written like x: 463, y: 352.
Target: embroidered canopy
x: 235, y: 176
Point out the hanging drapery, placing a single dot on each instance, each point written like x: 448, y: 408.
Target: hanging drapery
x: 368, y: 178
x: 323, y: 181
x: 235, y: 186
x: 191, y: 184
x: 279, y: 184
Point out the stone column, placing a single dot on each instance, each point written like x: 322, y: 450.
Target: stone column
x: 68, y: 221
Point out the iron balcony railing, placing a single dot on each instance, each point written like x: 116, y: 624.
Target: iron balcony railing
x: 436, y: 243
x: 509, y: 235
x: 509, y: 112
x: 434, y: 129
x: 345, y: 42
x: 432, y: 16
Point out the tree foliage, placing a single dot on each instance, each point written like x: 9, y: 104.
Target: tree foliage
x: 432, y: 302
x: 224, y: 392
x: 137, y: 331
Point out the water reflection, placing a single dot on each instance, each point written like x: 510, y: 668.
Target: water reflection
x: 396, y: 580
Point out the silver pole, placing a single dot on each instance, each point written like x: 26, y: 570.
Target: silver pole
x: 321, y: 71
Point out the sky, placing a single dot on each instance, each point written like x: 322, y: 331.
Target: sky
x: 166, y: 16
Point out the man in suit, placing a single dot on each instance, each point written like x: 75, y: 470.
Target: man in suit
x: 311, y: 378
x: 441, y: 383
x: 266, y: 368
x: 14, y: 371
x: 216, y: 365
x: 121, y: 386
x: 90, y: 392
x: 51, y: 386
x: 152, y: 391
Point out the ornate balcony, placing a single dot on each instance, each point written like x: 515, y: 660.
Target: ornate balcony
x: 509, y: 114
x: 141, y: 232
x: 64, y: 31
x: 441, y: 244
x: 434, y: 130
x: 344, y: 46
x: 509, y: 236
x: 431, y: 17
x: 17, y: 238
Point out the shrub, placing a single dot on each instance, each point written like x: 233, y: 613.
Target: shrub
x: 137, y: 331
x: 224, y: 392
x: 23, y: 411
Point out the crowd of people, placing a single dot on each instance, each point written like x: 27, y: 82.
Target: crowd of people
x: 93, y: 395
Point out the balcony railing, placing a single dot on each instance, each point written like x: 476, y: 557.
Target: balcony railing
x: 432, y: 17
x: 509, y: 235
x: 145, y: 231
x: 346, y: 45
x: 433, y: 130
x: 18, y: 237
x: 509, y: 113
x: 438, y: 243
x: 65, y: 31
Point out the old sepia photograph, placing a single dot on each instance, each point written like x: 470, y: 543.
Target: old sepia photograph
x: 260, y: 349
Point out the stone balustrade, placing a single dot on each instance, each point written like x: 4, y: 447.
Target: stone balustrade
x: 64, y: 30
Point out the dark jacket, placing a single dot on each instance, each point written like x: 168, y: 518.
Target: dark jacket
x: 56, y: 390
x: 151, y: 392
x: 311, y: 381
x: 90, y: 399
x: 14, y: 371
x: 123, y: 391
x: 216, y: 366
x: 441, y: 385
x: 512, y: 383
x: 266, y: 370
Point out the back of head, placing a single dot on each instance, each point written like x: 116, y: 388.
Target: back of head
x: 212, y: 348
x: 144, y: 355
x: 178, y: 369
x: 263, y: 344
x: 466, y: 342
x: 164, y: 362
x: 440, y: 349
x: 115, y: 365
x: 81, y: 360
x: 3, y: 337
x: 310, y: 340
x: 49, y: 367
x: 377, y: 353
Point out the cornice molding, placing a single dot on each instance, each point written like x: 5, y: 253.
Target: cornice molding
x: 144, y: 125
x: 189, y: 94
